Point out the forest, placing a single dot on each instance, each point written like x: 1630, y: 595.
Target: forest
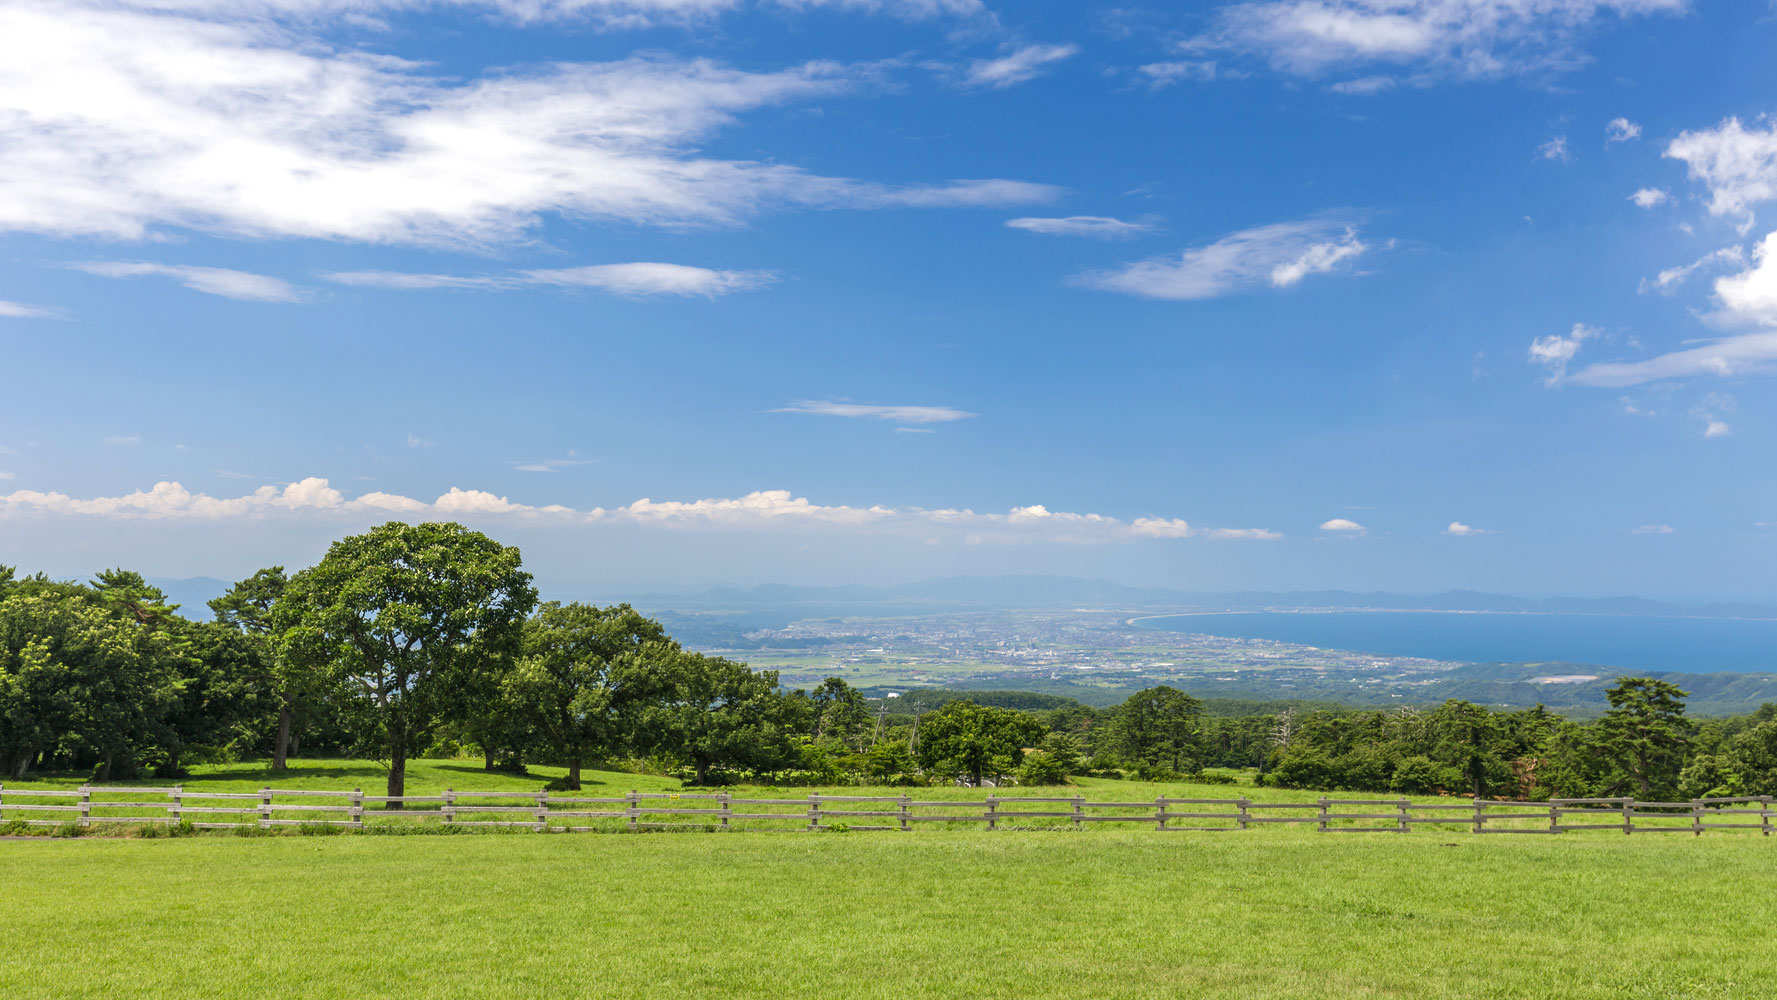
x: 429, y: 640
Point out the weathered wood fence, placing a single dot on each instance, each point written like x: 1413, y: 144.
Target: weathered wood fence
x: 551, y: 812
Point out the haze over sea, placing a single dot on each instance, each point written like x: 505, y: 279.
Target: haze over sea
x: 1622, y: 642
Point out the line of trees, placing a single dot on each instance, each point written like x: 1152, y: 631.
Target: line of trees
x: 417, y: 640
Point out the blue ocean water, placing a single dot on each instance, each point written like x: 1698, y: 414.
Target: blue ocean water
x: 1690, y: 645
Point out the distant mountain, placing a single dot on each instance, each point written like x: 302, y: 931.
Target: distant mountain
x: 1035, y: 592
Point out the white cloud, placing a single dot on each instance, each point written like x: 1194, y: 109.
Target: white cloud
x: 900, y: 414
x: 1277, y: 255
x: 24, y: 310
x: 1747, y: 299
x: 1649, y: 197
x: 1667, y: 281
x: 633, y: 279
x: 1343, y: 524
x: 1738, y: 165
x: 1714, y: 427
x: 1621, y: 130
x: 7, y: 475
x: 1555, y: 149
x: 1652, y: 529
x: 222, y: 281
x: 1165, y: 74
x: 761, y: 510
x: 119, y: 122
x: 1433, y: 39
x: 550, y: 464
x: 1363, y: 86
x: 1461, y: 530
x: 1103, y: 227
x: 1554, y: 352
x: 1026, y: 62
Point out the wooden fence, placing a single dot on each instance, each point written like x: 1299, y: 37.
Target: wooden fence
x: 550, y: 812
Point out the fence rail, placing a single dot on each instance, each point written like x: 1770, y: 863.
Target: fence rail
x: 550, y: 812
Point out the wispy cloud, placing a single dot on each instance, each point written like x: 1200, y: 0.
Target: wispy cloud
x: 1275, y: 256
x: 1652, y: 529
x: 229, y: 284
x: 1026, y: 62
x: 1555, y: 149
x: 1427, y: 40
x: 1100, y: 226
x: 24, y: 310
x: 119, y: 121
x: 550, y: 464
x: 1738, y: 165
x: 1164, y: 74
x: 1554, y: 352
x: 122, y: 440
x: 636, y: 280
x: 899, y: 413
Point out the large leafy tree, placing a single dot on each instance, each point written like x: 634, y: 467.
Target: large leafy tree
x: 1466, y: 737
x: 1646, y: 732
x: 249, y: 608
x: 718, y: 713
x: 1158, y: 725
x: 403, y: 616
x: 74, y: 676
x: 975, y: 741
x: 583, y: 673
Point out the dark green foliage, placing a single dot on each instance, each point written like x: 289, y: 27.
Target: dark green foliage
x: 975, y: 742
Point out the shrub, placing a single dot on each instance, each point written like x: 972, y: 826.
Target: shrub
x: 1039, y: 768
x: 1213, y: 778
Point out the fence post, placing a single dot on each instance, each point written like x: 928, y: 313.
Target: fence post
x: 450, y: 807
x: 543, y: 811
x: 1159, y: 812
x: 2, y: 800
x: 86, y: 805
x: 178, y: 802
x: 1404, y: 826
x: 1480, y: 817
x: 727, y: 808
x: 1245, y: 817
x: 992, y: 807
x: 1697, y: 817
x: 631, y: 810
x: 1766, y: 817
x: 265, y: 807
x: 814, y: 812
x: 1323, y: 814
x: 1554, y: 817
x: 1628, y: 818
x: 1079, y: 811
x: 905, y: 804
x: 357, y: 801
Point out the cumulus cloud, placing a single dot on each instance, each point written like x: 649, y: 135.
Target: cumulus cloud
x: 760, y: 510
x: 1555, y: 351
x: 24, y: 310
x: 120, y: 121
x: 1426, y: 39
x: 1737, y: 164
x: 1100, y: 226
x: 1027, y: 62
x: 1621, y: 130
x: 900, y: 414
x: 1461, y: 530
x: 1343, y: 524
x: 1652, y: 529
x: 1649, y: 197
x: 229, y: 284
x: 635, y: 280
x: 1277, y: 256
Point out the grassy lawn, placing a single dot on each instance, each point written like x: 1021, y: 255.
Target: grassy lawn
x: 1106, y: 913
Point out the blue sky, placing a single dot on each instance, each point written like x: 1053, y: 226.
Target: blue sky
x: 1398, y: 294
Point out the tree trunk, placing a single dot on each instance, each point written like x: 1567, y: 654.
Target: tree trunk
x: 280, y: 753
x: 105, y: 769
x: 487, y: 758
x: 397, y: 774
x: 574, y: 774
x: 296, y: 744
x: 703, y: 771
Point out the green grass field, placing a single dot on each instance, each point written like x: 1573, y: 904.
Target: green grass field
x: 939, y: 914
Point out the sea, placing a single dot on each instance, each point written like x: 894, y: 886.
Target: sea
x: 1627, y: 642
